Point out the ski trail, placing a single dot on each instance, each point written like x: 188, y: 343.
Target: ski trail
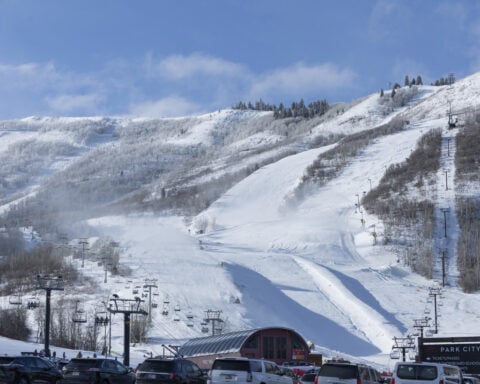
x: 445, y: 269
x: 362, y: 316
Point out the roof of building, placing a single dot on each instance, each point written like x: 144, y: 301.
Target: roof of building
x: 225, y: 343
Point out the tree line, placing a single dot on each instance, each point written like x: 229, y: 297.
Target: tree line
x: 297, y: 109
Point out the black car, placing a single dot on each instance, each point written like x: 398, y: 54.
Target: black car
x: 169, y: 371
x: 97, y: 371
x: 28, y: 370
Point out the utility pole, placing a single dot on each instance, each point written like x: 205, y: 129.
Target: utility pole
x: 434, y: 292
x: 446, y: 179
x: 49, y: 284
x: 403, y: 343
x: 127, y: 307
x: 83, y: 243
x: 150, y: 283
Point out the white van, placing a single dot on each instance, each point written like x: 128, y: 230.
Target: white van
x: 426, y: 373
x: 240, y: 370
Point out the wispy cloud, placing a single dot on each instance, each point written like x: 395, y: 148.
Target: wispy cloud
x: 301, y: 79
x: 172, y: 86
x: 178, y: 67
x: 75, y: 103
x: 171, y: 106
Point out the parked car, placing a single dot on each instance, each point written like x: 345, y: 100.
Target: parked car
x: 468, y: 379
x: 307, y: 378
x: 347, y: 373
x: 97, y: 371
x: 169, y: 371
x: 241, y: 370
x: 28, y: 370
x: 426, y: 373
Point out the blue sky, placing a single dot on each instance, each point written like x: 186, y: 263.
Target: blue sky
x: 180, y: 57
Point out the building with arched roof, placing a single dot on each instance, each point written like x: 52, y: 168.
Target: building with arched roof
x: 275, y: 343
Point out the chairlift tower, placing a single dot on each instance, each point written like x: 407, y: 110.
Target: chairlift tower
x: 421, y: 324
x: 83, y: 243
x: 434, y: 292
x: 403, y: 343
x: 149, y: 284
x: 49, y: 284
x: 213, y: 317
x: 127, y: 307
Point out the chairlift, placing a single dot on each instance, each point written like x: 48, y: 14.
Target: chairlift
x: 135, y: 291
x: 33, y: 302
x: 395, y: 355
x: 101, y: 318
x: 154, y: 305
x: 15, y: 300
x: 427, y: 311
x: 412, y: 354
x: 205, y: 329
x: 177, y: 308
x: 190, y: 315
x: 176, y: 318
x: 79, y: 316
x: 165, y: 312
x: 190, y: 324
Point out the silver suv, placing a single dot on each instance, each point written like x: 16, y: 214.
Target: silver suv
x: 241, y: 370
x: 347, y: 373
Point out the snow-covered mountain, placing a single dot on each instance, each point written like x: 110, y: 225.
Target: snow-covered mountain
x: 201, y: 204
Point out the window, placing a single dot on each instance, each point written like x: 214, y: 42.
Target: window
x: 188, y: 367
x: 196, y: 370
x: 256, y: 366
x: 268, y: 348
x: 343, y: 371
x: 269, y: 367
x: 281, y: 347
x: 364, y: 375
x: 234, y: 365
x: 417, y: 372
x: 252, y: 343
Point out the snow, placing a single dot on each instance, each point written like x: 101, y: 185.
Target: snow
x: 314, y: 268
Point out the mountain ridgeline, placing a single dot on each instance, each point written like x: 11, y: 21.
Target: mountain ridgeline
x: 58, y: 172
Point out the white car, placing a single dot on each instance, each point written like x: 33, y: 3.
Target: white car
x: 241, y: 370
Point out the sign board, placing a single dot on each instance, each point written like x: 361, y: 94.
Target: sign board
x: 465, y: 355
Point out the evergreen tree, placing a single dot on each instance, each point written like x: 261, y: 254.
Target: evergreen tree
x: 419, y: 80
x: 381, y: 92
x: 407, y: 81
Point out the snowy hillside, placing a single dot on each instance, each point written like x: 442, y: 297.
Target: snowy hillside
x: 318, y: 268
